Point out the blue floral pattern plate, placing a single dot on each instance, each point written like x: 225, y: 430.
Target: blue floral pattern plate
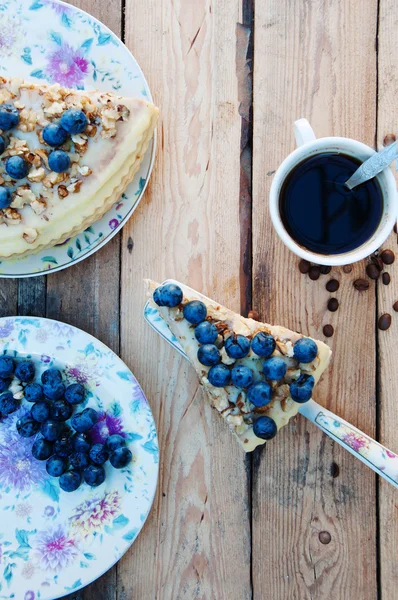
x: 52, y: 542
x: 50, y: 41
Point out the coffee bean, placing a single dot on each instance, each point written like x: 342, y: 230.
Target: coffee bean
x: 372, y: 270
x: 384, y: 321
x: 361, y: 285
x: 332, y: 285
x: 333, y: 304
x: 304, y: 266
x: 253, y: 314
x: 328, y: 331
x: 395, y: 306
x: 388, y: 257
x: 324, y: 537
x: 324, y: 269
x: 386, y: 278
x: 389, y: 139
x: 347, y: 268
x: 378, y: 262
x: 314, y: 273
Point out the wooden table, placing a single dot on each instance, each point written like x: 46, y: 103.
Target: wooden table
x: 225, y: 526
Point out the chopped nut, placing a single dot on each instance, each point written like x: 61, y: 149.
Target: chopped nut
x: 85, y: 171
x: 53, y: 178
x: 19, y: 104
x: 75, y: 186
x: 18, y: 395
x: 5, y: 95
x: 91, y: 130
x: 123, y: 111
x: 1, y: 180
x: 28, y: 120
x: 62, y: 191
x: 30, y: 235
x: 12, y: 216
x: 23, y: 195
x: 43, y: 155
x: 55, y: 109
x: 37, y: 174
x: 81, y: 148
x: 79, y: 139
x: 33, y: 159
x: 38, y: 206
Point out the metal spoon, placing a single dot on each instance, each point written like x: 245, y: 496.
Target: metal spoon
x: 373, y: 166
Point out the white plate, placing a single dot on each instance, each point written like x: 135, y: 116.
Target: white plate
x: 50, y: 41
x: 52, y: 542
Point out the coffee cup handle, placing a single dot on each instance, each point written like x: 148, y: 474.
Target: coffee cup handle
x: 303, y: 132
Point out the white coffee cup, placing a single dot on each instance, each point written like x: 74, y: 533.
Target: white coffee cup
x: 308, y: 146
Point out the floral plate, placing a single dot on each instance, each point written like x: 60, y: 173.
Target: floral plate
x: 50, y: 41
x: 52, y: 542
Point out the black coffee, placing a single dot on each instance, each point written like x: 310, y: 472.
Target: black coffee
x: 320, y: 213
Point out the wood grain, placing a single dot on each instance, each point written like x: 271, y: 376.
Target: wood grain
x: 387, y: 295
x: 196, y: 542
x: 313, y: 60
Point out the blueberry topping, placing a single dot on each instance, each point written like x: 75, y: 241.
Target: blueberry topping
x: 265, y: 428
x: 168, y: 295
x: 209, y: 355
x: 6, y: 367
x: 263, y: 344
x: 25, y: 371
x: 59, y: 161
x: 74, y: 121
x: 17, y: 167
x: 51, y: 430
x: 54, y: 134
x: 237, y: 346
x: 94, y: 475
x: 99, y: 454
x: 5, y: 197
x: 206, y: 333
x: 2, y: 144
x: 8, y: 404
x: 54, y: 390
x: 157, y: 296
x: 274, y: 368
x: 242, y: 376
x: 60, y: 410
x: 84, y: 420
x: 42, y: 449
x: 56, y: 465
x: 301, y: 389
x: 4, y: 384
x: 75, y: 393
x: 114, y: 442
x: 79, y: 460
x: 219, y: 376
x: 27, y: 426
x: 195, y: 312
x: 120, y: 458
x: 33, y: 392
x: 81, y: 443
x: 305, y: 350
x: 63, y: 447
x: 9, y: 117
x: 40, y: 411
x: 70, y: 481
x: 51, y: 375
x: 259, y: 393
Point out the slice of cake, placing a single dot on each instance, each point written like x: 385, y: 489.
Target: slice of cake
x: 256, y: 375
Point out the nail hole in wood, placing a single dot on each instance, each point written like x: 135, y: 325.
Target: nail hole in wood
x: 334, y: 469
x: 130, y: 245
x: 324, y: 537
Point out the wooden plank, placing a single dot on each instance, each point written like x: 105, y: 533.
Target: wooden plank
x: 313, y: 60
x: 387, y: 295
x: 32, y: 297
x: 8, y: 297
x: 196, y: 543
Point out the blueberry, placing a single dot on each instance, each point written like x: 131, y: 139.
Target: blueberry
x: 168, y: 295
x: 63, y: 447
x: 274, y: 368
x: 7, y: 367
x: 75, y: 393
x: 17, y: 167
x: 219, y: 376
x: 263, y: 344
x: 70, y: 481
x: 237, y: 346
x: 195, y: 312
x: 242, y: 376
x: 60, y: 410
x: 79, y: 460
x: 2, y: 144
x: 259, y: 393
x: 74, y: 121
x: 80, y: 442
x: 40, y: 411
x: 206, y: 333
x: 8, y: 404
x: 66, y: 431
x: 120, y: 458
x: 54, y: 134
x: 209, y: 355
x: 305, y: 350
x: 99, y: 454
x: 59, y: 161
x: 27, y: 426
x: 265, y: 428
x: 5, y: 197
x: 301, y: 389
x: 9, y: 117
x: 33, y: 392
x: 54, y: 390
x: 114, y: 442
x: 94, y: 475
x: 84, y: 420
x: 56, y: 465
x: 42, y: 449
x: 4, y: 384
x: 51, y: 430
x: 25, y: 371
x: 51, y: 375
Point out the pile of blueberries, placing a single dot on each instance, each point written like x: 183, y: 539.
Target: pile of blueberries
x: 66, y: 448
x: 237, y: 347
x: 72, y: 121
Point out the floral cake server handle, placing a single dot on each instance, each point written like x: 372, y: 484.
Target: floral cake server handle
x: 377, y: 457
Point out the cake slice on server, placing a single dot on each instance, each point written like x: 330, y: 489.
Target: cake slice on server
x: 256, y: 375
